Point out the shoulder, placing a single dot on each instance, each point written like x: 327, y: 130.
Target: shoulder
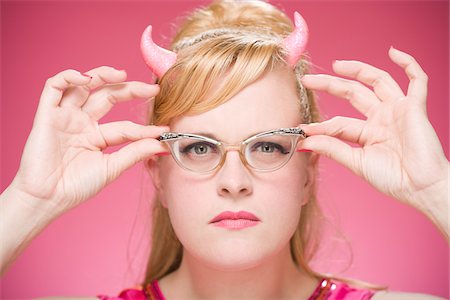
x: 383, y: 295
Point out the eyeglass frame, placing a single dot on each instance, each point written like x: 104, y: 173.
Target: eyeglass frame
x: 291, y: 131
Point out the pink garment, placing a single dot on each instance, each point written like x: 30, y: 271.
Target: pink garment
x: 326, y: 290
x: 334, y: 290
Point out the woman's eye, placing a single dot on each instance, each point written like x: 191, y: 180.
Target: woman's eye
x: 200, y: 148
x: 268, y: 147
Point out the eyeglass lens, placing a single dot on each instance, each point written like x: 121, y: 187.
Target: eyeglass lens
x: 262, y: 153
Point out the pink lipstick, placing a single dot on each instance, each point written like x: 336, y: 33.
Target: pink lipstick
x: 232, y: 220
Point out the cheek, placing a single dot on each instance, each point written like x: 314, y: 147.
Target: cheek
x: 284, y: 194
x: 186, y: 196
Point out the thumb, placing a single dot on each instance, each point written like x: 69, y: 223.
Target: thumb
x: 123, y: 159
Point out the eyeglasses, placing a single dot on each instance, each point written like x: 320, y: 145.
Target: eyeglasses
x: 264, y: 152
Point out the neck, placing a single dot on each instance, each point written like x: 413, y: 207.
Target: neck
x: 277, y: 278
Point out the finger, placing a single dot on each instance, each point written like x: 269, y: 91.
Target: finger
x: 131, y: 154
x: 102, y: 100
x: 103, y: 75
x: 77, y: 96
x: 361, y: 97
x: 384, y: 86
x: 335, y: 149
x: 418, y: 78
x: 55, y: 86
x: 344, y: 128
x: 117, y: 133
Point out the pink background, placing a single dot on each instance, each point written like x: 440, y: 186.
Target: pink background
x: 101, y: 246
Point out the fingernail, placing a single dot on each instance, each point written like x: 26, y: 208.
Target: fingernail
x: 162, y: 153
x: 303, y: 150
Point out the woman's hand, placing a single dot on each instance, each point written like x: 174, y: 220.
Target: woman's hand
x: 400, y: 153
x: 63, y: 163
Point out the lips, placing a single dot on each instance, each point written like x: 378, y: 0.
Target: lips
x: 229, y: 215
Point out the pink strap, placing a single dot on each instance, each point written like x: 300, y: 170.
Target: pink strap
x: 330, y: 290
x: 128, y: 294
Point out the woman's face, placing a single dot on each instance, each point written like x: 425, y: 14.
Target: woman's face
x: 276, y: 198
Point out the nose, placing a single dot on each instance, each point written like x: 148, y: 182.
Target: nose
x: 234, y: 180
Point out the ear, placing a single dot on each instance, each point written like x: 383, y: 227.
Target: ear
x: 311, y: 173
x: 152, y: 166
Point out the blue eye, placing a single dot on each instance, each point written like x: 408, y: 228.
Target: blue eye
x: 269, y: 147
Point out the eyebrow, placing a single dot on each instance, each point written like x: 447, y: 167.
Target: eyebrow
x: 206, y: 134
x: 212, y: 136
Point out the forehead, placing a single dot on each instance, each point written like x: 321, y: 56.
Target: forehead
x: 270, y: 102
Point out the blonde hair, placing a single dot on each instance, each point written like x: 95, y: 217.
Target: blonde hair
x: 222, y: 42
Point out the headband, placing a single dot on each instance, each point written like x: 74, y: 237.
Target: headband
x: 159, y: 60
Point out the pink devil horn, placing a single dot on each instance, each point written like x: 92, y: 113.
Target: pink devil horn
x: 295, y: 43
x: 158, y: 59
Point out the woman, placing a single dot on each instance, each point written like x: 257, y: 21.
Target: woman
x: 249, y: 102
